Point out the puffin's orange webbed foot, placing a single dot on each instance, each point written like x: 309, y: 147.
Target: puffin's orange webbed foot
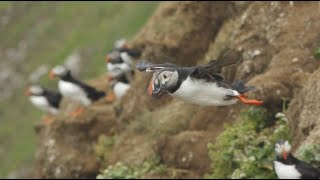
x: 77, y: 112
x: 47, y: 120
x: 243, y: 99
x: 111, y: 97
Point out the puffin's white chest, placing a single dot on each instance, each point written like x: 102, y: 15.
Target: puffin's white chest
x: 286, y: 171
x: 123, y: 66
x: 74, y: 92
x: 126, y: 58
x: 42, y: 103
x: 203, y: 93
x: 120, y: 89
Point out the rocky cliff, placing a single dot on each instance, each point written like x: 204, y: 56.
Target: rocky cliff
x: 278, y: 40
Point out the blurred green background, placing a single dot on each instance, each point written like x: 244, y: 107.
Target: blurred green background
x: 52, y: 31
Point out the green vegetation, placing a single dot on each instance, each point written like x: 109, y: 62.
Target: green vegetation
x: 246, y: 148
x: 53, y: 30
x: 310, y: 153
x: 120, y: 171
x: 317, y: 53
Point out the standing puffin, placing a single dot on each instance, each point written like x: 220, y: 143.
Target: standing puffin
x: 74, y: 89
x: 44, y: 99
x: 202, y: 85
x: 122, y: 57
x: 120, y: 83
x: 287, y: 166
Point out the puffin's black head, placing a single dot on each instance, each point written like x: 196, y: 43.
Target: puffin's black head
x: 162, y: 81
x: 58, y: 71
x: 34, y: 90
x: 283, y: 149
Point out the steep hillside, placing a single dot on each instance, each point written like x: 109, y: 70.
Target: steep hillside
x: 37, y: 35
x: 166, y: 138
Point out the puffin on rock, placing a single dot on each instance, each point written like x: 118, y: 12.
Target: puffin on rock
x: 44, y: 99
x: 74, y: 89
x: 287, y: 166
x: 202, y: 85
x: 120, y: 83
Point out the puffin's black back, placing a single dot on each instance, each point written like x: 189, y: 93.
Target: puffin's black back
x: 54, y: 98
x: 132, y: 52
x: 91, y: 92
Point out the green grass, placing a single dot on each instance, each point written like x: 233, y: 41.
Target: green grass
x: 53, y: 30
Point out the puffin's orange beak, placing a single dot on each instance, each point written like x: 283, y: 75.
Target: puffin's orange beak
x: 150, y: 89
x: 107, y: 59
x: 284, y: 154
x: 125, y: 46
x: 27, y: 92
x: 52, y: 76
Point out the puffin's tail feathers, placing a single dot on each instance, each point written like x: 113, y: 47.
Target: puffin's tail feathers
x: 97, y: 95
x: 241, y: 88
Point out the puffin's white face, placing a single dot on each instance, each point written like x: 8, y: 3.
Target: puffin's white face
x: 162, y: 82
x: 121, y: 43
x: 34, y: 90
x: 58, y: 71
x: 283, y: 149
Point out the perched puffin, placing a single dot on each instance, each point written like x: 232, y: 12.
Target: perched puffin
x: 74, y: 89
x: 122, y: 57
x: 119, y: 86
x: 44, y: 99
x: 287, y: 166
x: 202, y: 85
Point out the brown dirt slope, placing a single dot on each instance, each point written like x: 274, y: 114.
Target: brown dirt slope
x: 277, y: 39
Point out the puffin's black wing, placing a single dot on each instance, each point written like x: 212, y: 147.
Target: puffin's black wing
x: 92, y: 93
x: 132, y: 52
x: 307, y: 171
x: 211, y: 71
x: 149, y: 67
x: 54, y: 98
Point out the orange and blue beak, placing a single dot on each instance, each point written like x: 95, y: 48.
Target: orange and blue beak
x: 154, y: 90
x: 27, y: 92
x: 52, y: 76
x: 284, y: 153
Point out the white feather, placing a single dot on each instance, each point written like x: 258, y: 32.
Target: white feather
x: 126, y: 58
x: 42, y: 103
x: 74, y: 92
x: 120, y: 89
x: 284, y: 171
x: 204, y: 93
x: 123, y: 66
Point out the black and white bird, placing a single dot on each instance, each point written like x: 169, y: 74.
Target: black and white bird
x: 202, y: 85
x: 287, y: 166
x: 121, y: 57
x: 44, y: 99
x: 119, y: 86
x: 74, y: 89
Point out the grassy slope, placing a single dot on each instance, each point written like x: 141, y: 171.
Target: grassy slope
x: 55, y: 30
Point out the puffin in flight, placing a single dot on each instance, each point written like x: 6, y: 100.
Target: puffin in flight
x: 74, y: 89
x: 202, y: 85
x: 44, y: 99
x: 287, y: 166
x: 120, y: 83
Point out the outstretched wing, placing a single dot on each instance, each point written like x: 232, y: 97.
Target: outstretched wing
x: 212, y: 70
x: 149, y: 67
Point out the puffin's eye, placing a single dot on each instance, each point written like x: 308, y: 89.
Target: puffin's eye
x: 164, y: 76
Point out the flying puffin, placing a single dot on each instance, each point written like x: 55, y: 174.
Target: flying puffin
x: 287, y: 166
x: 202, y: 85
x: 74, y: 89
x: 120, y: 83
x: 44, y: 99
